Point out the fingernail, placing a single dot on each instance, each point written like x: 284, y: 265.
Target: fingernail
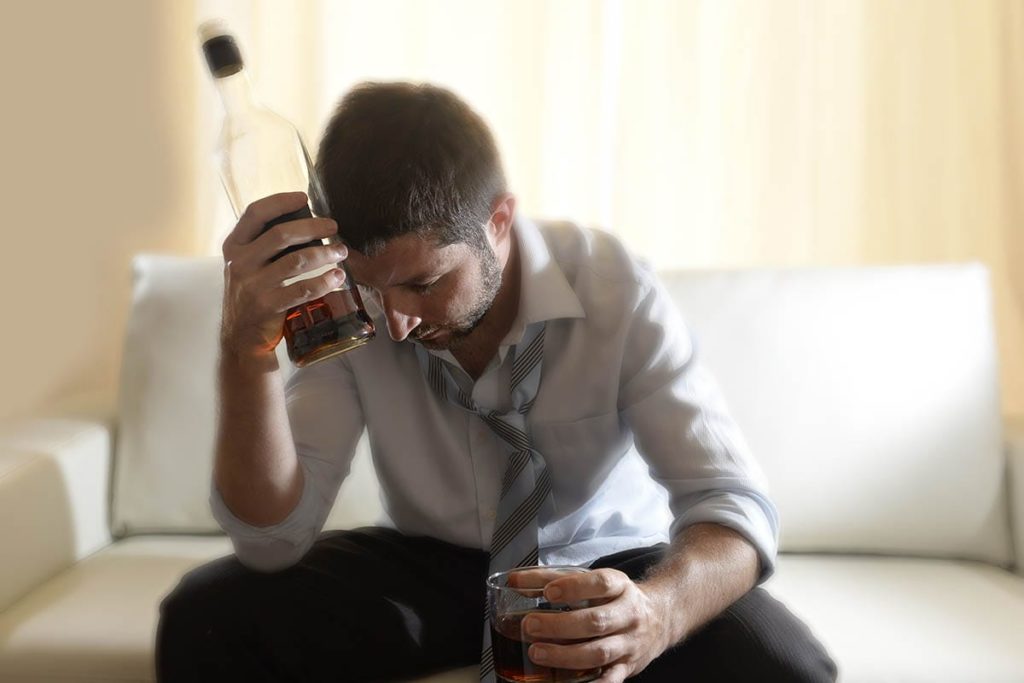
x: 554, y: 593
x: 540, y: 654
x: 531, y: 625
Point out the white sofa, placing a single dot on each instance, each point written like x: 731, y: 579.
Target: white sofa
x: 869, y: 396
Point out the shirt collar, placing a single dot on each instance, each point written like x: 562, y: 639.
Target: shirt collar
x: 544, y: 293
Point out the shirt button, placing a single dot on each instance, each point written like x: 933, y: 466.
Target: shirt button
x: 491, y: 514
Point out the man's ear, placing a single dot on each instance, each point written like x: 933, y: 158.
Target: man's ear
x: 503, y: 211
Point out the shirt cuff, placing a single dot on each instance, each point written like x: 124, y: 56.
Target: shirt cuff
x: 749, y: 514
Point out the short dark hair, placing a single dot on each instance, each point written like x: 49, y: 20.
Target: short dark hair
x: 400, y: 158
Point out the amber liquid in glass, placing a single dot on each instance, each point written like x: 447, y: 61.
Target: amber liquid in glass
x: 512, y: 662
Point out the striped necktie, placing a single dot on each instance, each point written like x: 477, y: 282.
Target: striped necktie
x: 526, y: 484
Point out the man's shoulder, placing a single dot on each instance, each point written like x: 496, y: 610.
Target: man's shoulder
x: 586, y: 253
x: 607, y: 279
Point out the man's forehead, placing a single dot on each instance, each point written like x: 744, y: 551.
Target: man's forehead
x: 403, y: 260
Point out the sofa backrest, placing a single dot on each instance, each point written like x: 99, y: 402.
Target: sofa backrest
x: 166, y: 427
x: 870, y: 398
x: 868, y: 395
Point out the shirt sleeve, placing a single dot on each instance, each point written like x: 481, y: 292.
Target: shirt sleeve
x: 683, y: 429
x: 326, y: 422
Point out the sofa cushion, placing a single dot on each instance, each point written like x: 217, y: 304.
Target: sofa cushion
x: 97, y: 621
x: 870, y: 398
x: 164, y: 448
x: 909, y: 620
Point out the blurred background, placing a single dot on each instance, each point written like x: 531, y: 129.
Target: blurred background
x: 705, y: 133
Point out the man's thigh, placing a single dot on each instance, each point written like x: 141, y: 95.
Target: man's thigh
x: 360, y: 605
x: 756, y: 639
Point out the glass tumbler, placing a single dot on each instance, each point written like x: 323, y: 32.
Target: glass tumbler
x: 511, y: 596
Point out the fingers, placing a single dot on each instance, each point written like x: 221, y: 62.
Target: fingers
x: 534, y: 578
x: 284, y: 235
x: 582, y: 623
x: 261, y: 212
x: 587, y: 655
x: 299, y: 262
x: 599, y: 583
x: 259, y: 260
x: 601, y: 635
x: 282, y: 299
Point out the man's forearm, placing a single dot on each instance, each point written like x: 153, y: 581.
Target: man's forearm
x: 256, y: 469
x: 707, y: 568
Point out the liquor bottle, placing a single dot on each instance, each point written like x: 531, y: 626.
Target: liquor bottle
x: 259, y: 153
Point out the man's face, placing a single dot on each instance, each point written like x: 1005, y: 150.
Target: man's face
x: 434, y: 295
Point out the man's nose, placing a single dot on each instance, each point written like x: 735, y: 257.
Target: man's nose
x: 400, y: 323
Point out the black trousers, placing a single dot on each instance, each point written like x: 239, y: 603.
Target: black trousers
x: 373, y: 604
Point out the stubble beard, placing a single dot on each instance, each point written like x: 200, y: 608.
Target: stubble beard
x: 490, y: 284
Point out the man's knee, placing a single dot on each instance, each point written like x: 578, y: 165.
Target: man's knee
x: 200, y: 591
x: 224, y: 621
x: 766, y: 637
x: 198, y: 619
x: 755, y: 639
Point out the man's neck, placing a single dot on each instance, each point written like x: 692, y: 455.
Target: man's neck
x: 475, y: 351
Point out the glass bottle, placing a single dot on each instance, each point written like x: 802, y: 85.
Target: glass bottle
x: 260, y: 153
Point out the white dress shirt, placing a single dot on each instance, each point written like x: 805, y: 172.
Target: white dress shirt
x: 636, y: 438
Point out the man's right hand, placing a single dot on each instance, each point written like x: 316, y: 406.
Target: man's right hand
x: 255, y: 300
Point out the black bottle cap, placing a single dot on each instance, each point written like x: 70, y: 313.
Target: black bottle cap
x: 222, y: 55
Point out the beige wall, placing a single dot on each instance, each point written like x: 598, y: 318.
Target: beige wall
x: 96, y: 130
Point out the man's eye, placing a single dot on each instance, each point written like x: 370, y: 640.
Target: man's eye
x: 424, y: 288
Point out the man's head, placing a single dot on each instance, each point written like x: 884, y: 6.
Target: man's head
x: 413, y: 178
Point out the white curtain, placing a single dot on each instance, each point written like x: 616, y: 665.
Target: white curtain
x: 706, y: 133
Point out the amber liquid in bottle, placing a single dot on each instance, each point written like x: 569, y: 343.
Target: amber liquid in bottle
x: 320, y: 329
x: 331, y: 325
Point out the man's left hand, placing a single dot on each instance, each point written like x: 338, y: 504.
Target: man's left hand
x: 625, y: 623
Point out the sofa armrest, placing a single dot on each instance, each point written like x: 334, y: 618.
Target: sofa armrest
x: 54, y: 485
x: 1015, y: 466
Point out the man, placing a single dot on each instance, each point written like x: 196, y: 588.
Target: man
x: 520, y: 360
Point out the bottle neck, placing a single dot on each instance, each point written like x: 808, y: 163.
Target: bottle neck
x: 236, y: 93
